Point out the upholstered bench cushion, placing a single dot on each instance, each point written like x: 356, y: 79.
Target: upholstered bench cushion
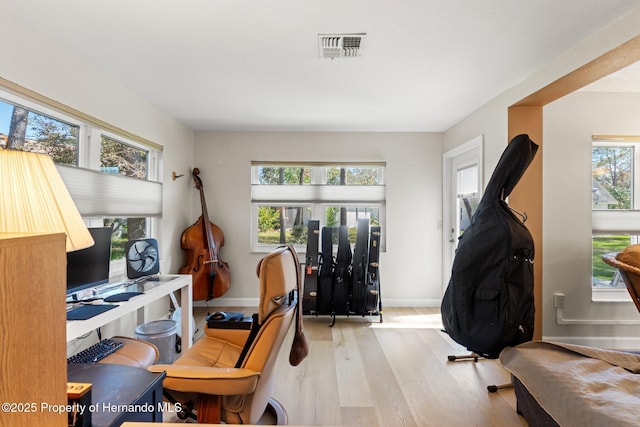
x: 208, y: 366
x: 135, y: 352
x: 210, y: 352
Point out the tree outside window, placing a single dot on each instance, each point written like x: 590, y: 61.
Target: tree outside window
x: 123, y: 159
x: 611, y: 189
x: 27, y: 130
x: 612, y: 177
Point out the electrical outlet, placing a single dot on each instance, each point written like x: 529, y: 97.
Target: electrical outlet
x: 558, y: 300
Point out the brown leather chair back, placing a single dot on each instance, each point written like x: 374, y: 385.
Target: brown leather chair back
x: 278, y: 280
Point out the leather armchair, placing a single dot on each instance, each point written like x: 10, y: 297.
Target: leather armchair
x: 229, y: 372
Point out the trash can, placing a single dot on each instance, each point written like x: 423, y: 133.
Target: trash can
x: 162, y: 334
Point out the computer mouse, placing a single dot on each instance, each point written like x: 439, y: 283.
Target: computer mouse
x: 218, y: 315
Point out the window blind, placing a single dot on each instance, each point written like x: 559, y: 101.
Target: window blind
x: 318, y: 193
x: 100, y: 194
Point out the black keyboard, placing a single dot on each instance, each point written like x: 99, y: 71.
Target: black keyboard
x: 96, y: 352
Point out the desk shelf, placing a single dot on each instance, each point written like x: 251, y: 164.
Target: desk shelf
x: 153, y: 292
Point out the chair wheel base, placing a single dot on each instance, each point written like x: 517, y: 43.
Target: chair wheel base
x: 274, y: 414
x: 498, y: 387
x: 186, y: 411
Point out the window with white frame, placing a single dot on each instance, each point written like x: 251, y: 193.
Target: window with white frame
x: 615, y: 206
x: 286, y: 195
x: 24, y: 129
x: 111, y: 178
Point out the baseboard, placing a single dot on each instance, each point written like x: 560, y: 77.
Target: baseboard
x: 253, y: 302
x: 228, y: 302
x: 411, y: 303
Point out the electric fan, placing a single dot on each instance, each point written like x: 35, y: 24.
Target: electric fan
x: 142, y: 258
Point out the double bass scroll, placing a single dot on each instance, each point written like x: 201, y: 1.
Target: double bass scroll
x: 202, y: 242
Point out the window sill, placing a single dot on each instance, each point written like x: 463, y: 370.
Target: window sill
x: 610, y: 295
x: 265, y: 249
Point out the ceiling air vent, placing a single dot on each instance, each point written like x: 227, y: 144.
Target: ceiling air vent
x: 340, y: 45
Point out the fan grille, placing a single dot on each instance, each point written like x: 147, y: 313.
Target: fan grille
x: 142, y: 258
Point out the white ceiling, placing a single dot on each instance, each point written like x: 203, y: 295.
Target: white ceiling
x: 254, y: 64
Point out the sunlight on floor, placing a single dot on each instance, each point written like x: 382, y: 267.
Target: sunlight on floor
x: 417, y: 321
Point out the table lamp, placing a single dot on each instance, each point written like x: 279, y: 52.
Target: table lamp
x: 34, y: 199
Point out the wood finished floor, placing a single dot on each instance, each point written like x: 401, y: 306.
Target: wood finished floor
x: 365, y: 373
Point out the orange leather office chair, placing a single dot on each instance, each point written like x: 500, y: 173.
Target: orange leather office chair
x: 230, y: 374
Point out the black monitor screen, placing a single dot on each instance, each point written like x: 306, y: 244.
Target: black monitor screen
x: 90, y: 267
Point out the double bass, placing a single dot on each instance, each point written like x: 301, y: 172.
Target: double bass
x: 202, y: 242
x: 488, y: 304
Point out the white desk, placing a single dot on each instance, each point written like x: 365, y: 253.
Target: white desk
x: 153, y: 290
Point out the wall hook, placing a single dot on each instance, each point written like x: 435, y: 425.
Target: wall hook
x: 174, y: 176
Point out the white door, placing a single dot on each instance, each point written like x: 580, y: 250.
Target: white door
x: 462, y: 190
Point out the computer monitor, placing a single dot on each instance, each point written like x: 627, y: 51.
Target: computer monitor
x: 90, y: 267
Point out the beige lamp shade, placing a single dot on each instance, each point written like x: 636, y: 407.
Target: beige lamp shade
x: 34, y: 199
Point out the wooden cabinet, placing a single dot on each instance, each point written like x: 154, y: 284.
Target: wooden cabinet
x: 33, y: 367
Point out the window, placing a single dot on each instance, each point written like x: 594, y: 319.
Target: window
x: 120, y: 158
x: 285, y: 196
x: 468, y: 196
x: 28, y: 130
x: 110, y: 176
x: 615, y: 206
x: 125, y: 229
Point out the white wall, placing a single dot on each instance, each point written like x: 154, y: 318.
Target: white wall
x: 568, y: 126
x: 491, y: 121
x: 32, y: 61
x: 410, y: 268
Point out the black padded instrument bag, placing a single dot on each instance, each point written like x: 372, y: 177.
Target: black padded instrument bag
x: 324, y: 304
x: 488, y: 304
x: 342, y: 273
